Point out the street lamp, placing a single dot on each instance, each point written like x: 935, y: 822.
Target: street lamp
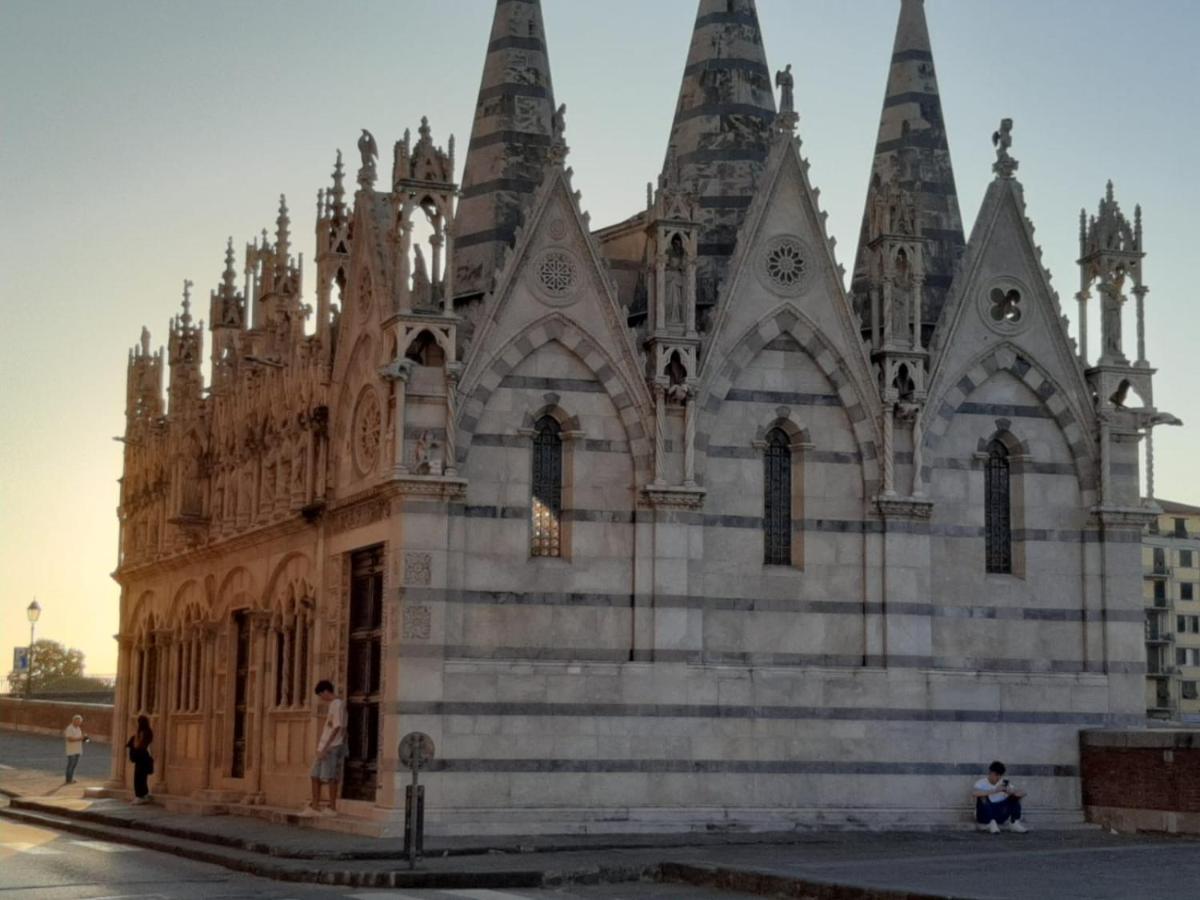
x: 33, y: 611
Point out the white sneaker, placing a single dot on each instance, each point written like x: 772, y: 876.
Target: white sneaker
x: 326, y: 811
x: 1017, y: 827
x: 308, y: 812
x: 993, y: 828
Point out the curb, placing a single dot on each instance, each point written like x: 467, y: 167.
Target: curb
x: 749, y: 881
x: 255, y: 864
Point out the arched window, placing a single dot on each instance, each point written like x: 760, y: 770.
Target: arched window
x: 546, y: 504
x: 291, y: 630
x: 997, y: 509
x: 777, y: 499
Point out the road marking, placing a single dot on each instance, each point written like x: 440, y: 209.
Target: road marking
x: 31, y: 849
x: 6, y: 768
x: 105, y: 846
x: 384, y: 895
x: 485, y: 894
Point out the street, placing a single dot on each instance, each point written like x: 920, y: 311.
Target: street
x: 44, y: 864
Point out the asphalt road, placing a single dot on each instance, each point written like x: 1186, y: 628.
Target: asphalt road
x: 47, y: 753
x: 44, y: 864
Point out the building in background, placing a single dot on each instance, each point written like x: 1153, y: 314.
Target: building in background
x: 1171, y: 557
x: 652, y: 526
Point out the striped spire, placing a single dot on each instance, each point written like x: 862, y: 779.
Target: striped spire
x: 510, y: 138
x: 722, y: 128
x: 912, y: 155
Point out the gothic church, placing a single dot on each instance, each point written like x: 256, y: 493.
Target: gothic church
x: 654, y: 526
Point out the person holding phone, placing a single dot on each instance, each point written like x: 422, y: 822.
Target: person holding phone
x: 997, y: 801
x: 75, y: 739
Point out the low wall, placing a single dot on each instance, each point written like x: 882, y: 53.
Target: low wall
x: 1142, y: 780
x: 52, y: 716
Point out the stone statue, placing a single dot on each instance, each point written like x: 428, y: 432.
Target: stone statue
x: 785, y: 83
x: 1110, y: 319
x: 558, y: 123
x: 1005, y: 165
x: 675, y: 280
x: 422, y: 292
x: 369, y: 152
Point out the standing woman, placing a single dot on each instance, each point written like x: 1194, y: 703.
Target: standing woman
x: 143, y: 762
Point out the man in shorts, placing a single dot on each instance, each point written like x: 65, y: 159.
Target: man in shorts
x: 331, y: 752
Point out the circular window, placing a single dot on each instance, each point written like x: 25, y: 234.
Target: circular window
x: 368, y: 431
x: 1004, y: 306
x: 556, y: 275
x: 785, y: 264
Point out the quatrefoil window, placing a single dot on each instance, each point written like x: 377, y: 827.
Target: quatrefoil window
x: 1006, y: 306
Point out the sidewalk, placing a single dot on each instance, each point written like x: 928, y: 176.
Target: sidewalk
x: 1081, y: 864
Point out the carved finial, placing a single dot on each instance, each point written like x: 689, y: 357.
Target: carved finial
x: 1005, y: 165
x: 282, y: 228
x: 368, y: 152
x: 229, y: 277
x: 423, y: 130
x: 1108, y: 191
x: 186, y: 318
x: 145, y: 341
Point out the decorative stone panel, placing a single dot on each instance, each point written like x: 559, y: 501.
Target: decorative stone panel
x: 418, y: 569
x: 784, y: 265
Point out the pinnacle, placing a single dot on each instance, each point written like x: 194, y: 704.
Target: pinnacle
x: 510, y: 142
x: 912, y: 157
x: 722, y: 129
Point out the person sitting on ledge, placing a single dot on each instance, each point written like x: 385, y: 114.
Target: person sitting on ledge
x: 997, y: 801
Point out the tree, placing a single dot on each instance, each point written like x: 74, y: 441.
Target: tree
x: 52, y: 662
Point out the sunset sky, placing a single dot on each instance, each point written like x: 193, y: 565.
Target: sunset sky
x: 136, y: 136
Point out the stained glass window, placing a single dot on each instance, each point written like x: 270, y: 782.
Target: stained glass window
x: 777, y: 500
x: 546, y: 507
x: 997, y: 509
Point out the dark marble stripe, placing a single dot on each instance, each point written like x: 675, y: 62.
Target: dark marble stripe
x: 785, y: 398
x: 1004, y: 410
x: 910, y: 97
x: 504, y: 235
x: 514, y: 42
x: 770, y: 712
x: 733, y: 767
x: 718, y: 110
x: 526, y: 138
x: 728, y: 18
x: 557, y: 385
x: 914, y: 140
x: 715, y: 249
x: 725, y: 202
x: 519, y: 185
x: 906, y: 55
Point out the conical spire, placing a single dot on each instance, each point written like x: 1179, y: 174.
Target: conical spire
x: 722, y: 128
x: 912, y: 157
x: 510, y: 139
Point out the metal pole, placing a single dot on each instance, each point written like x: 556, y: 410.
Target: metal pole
x: 29, y: 678
x: 412, y: 821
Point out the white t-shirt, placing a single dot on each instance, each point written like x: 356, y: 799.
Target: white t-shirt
x: 996, y: 790
x: 335, y: 719
x: 74, y: 735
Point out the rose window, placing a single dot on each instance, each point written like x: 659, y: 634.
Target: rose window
x: 368, y: 431
x: 784, y: 266
x: 556, y: 274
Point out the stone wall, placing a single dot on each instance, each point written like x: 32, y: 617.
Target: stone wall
x: 52, y: 716
x: 1142, y: 780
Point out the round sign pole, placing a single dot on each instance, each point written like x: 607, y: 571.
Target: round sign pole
x: 416, y: 751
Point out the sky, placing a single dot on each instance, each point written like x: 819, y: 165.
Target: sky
x: 136, y: 136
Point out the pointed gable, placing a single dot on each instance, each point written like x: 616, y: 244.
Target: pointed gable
x: 722, y: 128
x: 912, y: 156
x: 1003, y: 302
x: 510, y: 139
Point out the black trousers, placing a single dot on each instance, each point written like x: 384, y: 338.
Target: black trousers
x: 141, y: 778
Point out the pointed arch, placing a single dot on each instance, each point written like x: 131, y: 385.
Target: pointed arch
x: 1006, y: 357
x: 787, y: 319
x: 627, y: 395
